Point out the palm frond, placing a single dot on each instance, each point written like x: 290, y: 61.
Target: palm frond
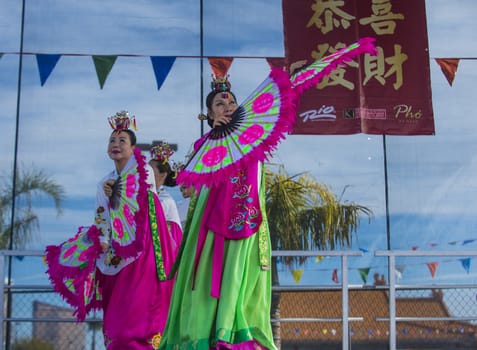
x: 304, y: 214
x: 30, y: 183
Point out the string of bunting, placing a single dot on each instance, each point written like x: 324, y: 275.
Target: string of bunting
x: 163, y: 64
x: 327, y: 333
x: 399, y: 270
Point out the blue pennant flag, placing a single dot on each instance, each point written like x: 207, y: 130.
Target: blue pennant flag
x: 161, y: 65
x: 46, y: 63
x: 465, y: 264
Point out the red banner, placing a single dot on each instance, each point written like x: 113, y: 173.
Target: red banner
x: 385, y: 94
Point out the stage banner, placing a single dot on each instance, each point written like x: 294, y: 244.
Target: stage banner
x: 388, y: 93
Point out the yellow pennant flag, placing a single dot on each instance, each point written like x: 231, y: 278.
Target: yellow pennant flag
x: 297, y: 275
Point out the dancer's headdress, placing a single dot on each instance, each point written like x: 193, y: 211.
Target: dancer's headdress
x: 220, y: 84
x: 122, y: 121
x: 162, y: 152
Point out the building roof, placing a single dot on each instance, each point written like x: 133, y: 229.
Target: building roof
x: 370, y: 304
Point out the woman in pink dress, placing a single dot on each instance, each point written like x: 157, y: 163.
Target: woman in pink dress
x: 121, y: 262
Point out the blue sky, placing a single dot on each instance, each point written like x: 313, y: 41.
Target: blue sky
x: 63, y: 128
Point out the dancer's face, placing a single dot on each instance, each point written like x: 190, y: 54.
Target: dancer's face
x: 119, y: 147
x: 222, y: 107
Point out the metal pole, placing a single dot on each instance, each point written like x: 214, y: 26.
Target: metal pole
x: 392, y: 302
x: 386, y: 195
x: 201, y: 65
x: 345, y: 302
x: 2, y: 299
x: 14, y: 180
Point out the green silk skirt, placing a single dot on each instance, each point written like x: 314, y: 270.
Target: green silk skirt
x: 240, y: 318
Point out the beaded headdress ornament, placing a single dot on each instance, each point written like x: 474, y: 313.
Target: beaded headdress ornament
x: 122, y: 121
x: 162, y: 152
x: 221, y: 84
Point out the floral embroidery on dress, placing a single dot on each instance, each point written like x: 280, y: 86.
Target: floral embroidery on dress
x: 101, y: 222
x: 246, y: 212
x: 111, y: 259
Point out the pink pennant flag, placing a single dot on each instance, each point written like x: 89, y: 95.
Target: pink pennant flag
x: 433, y: 267
x: 334, y: 277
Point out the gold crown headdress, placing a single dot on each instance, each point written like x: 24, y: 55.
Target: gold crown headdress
x: 122, y: 121
x: 162, y: 152
x: 220, y: 84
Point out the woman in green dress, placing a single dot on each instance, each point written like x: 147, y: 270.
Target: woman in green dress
x: 222, y: 294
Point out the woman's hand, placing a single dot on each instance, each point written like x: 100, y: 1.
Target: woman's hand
x: 221, y: 120
x: 104, y: 246
x: 108, y: 187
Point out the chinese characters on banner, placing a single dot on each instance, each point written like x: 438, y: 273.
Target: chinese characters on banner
x: 385, y: 94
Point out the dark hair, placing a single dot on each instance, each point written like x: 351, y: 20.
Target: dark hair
x: 132, y: 135
x: 208, y: 103
x: 170, y: 180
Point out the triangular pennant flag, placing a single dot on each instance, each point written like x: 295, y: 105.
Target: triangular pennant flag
x: 448, y: 67
x: 433, y: 267
x: 103, y: 65
x: 220, y: 65
x: 399, y: 270
x: 364, y: 250
x: 1, y: 54
x: 161, y: 67
x: 297, y: 275
x: 334, y: 276
x: 364, y: 274
x: 279, y: 62
x: 319, y: 258
x: 453, y: 243
x: 467, y: 241
x: 465, y: 264
x: 46, y: 63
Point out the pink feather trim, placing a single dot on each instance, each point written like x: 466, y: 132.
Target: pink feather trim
x: 58, y: 273
x: 365, y: 45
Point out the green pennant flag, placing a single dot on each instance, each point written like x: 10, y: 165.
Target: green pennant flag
x: 364, y: 274
x: 103, y: 65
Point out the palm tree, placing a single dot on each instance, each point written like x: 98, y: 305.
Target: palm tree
x: 30, y: 183
x: 304, y: 214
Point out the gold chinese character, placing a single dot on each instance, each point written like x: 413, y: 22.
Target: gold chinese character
x: 383, y: 19
x: 337, y: 76
x: 328, y: 9
x: 375, y: 67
